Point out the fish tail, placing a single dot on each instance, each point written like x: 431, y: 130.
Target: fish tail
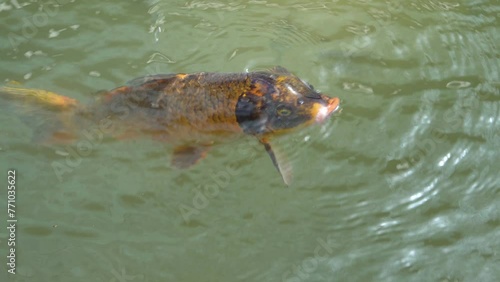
x: 51, y: 115
x: 39, y: 96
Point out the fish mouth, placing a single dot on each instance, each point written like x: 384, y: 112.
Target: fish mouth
x: 332, y: 105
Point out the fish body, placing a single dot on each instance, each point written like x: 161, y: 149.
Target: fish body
x: 178, y: 109
x: 194, y: 111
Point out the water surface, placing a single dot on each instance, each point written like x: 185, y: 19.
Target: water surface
x: 402, y: 185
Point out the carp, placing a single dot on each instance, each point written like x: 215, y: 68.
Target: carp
x: 192, y: 112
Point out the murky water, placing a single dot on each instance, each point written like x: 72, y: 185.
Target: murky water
x: 402, y: 185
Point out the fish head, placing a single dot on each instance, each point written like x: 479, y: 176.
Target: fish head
x: 279, y: 101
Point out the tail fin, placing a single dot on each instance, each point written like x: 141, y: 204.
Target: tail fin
x: 50, y: 115
x: 41, y: 97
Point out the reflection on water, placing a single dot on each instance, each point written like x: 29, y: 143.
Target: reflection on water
x: 402, y: 185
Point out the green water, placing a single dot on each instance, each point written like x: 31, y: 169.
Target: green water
x: 402, y: 185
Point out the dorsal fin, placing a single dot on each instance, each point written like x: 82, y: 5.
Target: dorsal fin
x: 144, y: 79
x: 279, y: 70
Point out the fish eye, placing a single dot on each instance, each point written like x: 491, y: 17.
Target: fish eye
x: 283, y: 110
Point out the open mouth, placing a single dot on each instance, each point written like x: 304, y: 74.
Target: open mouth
x: 331, y: 106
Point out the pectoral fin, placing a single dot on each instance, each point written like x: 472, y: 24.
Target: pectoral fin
x: 186, y: 156
x: 280, y: 162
